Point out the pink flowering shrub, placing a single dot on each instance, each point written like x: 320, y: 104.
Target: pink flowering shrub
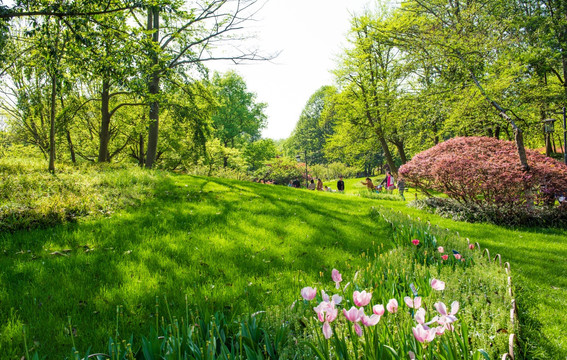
x: 484, y: 170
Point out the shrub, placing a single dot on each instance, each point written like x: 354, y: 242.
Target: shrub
x: 281, y: 171
x: 486, y: 171
x: 332, y: 171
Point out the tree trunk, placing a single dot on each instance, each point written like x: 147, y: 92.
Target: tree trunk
x: 71, y: 148
x: 153, y: 24
x: 104, y: 135
x: 401, y: 151
x: 388, y: 155
x: 52, y: 122
x: 141, y: 159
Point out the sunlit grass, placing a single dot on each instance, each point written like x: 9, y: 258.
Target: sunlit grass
x: 227, y: 245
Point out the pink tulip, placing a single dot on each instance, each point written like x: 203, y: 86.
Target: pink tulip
x: 327, y: 331
x: 411, y: 355
x: 370, y: 320
x: 378, y: 310
x: 326, y: 312
x: 420, y: 316
x: 437, y: 284
x: 308, y: 293
x: 392, y: 306
x: 471, y: 246
x: 439, y: 330
x: 358, y: 329
x: 325, y: 296
x: 446, y: 317
x: 414, y: 304
x: 337, y: 277
x: 440, y: 249
x: 353, y: 315
x: 336, y: 299
x: 423, y: 334
x: 415, y: 242
x: 361, y: 298
x: 445, y: 257
x: 458, y: 256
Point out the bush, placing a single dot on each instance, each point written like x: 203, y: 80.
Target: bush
x: 332, y: 171
x: 486, y: 171
x: 281, y: 171
x: 518, y: 216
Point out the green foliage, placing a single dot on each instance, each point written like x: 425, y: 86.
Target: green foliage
x: 332, y: 171
x: 281, y: 171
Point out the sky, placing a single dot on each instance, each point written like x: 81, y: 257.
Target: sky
x: 309, y: 34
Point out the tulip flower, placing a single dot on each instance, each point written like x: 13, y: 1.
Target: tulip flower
x: 437, y: 284
x: 337, y: 277
x: 327, y: 331
x: 415, y: 242
x: 358, y: 329
x: 445, y: 257
x: 458, y: 256
x: 411, y: 355
x: 392, y: 306
x: 471, y: 246
x: 353, y: 315
x: 446, y: 317
x: 361, y: 298
x: 326, y: 311
x: 440, y: 249
x: 370, y: 320
x: 414, y: 304
x: 378, y: 309
x: 336, y: 299
x: 308, y: 293
x: 423, y: 334
x: 324, y: 296
x: 420, y: 316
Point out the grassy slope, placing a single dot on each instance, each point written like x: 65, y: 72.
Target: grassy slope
x: 538, y: 257
x: 224, y: 243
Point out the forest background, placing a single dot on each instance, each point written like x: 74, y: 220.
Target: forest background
x: 127, y: 81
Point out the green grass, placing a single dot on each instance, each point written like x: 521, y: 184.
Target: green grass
x: 227, y: 245
x: 538, y: 257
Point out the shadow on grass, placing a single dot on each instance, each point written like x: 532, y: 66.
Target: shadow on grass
x: 227, y: 245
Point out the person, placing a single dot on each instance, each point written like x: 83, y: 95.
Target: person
x: 341, y: 184
x: 311, y: 185
x: 296, y: 183
x: 368, y: 184
x: 290, y: 183
x: 319, y: 185
x: 388, y: 181
x: 402, y: 187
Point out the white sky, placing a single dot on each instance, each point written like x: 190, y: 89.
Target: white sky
x: 309, y: 34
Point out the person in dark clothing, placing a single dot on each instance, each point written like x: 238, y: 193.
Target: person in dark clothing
x: 296, y: 183
x: 341, y: 184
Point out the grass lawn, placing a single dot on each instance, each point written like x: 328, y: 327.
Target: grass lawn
x: 538, y: 257
x: 225, y: 244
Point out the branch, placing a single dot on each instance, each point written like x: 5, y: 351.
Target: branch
x: 10, y: 14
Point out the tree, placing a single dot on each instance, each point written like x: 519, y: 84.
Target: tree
x: 190, y: 36
x: 238, y: 118
x: 371, y: 75
x: 315, y: 124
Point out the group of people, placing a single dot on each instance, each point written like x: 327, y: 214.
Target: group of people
x: 319, y: 186
x: 387, y: 184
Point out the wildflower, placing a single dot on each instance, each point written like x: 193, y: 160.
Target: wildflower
x: 415, y: 242
x: 437, y: 284
x: 378, y: 309
x: 392, y: 306
x: 337, y: 277
x: 414, y: 304
x: 440, y: 249
x: 308, y: 293
x: 361, y: 298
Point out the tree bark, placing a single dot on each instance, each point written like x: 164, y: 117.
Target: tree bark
x: 104, y: 134
x: 388, y: 155
x: 71, y: 147
x: 153, y: 24
x: 141, y: 158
